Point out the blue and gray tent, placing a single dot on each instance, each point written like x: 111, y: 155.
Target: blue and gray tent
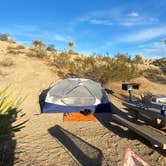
x: 76, y: 95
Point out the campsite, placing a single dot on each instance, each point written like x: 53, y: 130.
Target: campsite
x: 68, y: 107
x: 37, y: 142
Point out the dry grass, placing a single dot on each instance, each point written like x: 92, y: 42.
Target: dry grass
x: 15, y: 49
x: 19, y: 47
x: 101, y: 69
x: 6, y: 61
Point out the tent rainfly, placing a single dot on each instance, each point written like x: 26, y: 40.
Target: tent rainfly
x: 76, y: 95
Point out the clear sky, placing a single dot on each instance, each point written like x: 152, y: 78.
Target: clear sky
x: 113, y: 26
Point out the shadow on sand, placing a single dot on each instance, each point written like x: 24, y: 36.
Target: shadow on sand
x: 115, y: 126
x: 7, y: 151
x: 7, y: 143
x: 83, y: 152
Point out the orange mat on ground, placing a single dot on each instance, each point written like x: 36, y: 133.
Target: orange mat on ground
x: 77, y: 117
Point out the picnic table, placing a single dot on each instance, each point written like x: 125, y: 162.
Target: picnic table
x: 150, y: 111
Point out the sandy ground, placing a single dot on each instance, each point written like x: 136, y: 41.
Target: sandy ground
x: 46, y: 140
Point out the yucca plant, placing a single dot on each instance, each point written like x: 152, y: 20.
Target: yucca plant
x: 10, y: 101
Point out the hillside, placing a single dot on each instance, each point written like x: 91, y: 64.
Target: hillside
x: 35, y: 145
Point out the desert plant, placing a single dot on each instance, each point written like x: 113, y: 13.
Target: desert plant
x: 103, y: 69
x: 138, y: 59
x: 6, y: 61
x: 61, y: 60
x: 39, y: 49
x: 122, y: 58
x: 14, y: 50
x: 19, y: 47
x: 7, y: 38
x: 38, y: 44
x: 50, y: 47
x: 9, y: 104
x: 71, y: 44
x: 4, y: 37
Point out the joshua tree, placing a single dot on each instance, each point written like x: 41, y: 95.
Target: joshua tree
x: 71, y: 44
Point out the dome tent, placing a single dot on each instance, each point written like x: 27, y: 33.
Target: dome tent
x: 76, y: 95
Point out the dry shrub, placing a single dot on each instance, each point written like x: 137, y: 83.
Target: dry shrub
x: 6, y: 61
x: 97, y: 68
x: 13, y: 50
x: 35, y: 52
x: 61, y: 60
x: 19, y: 47
x: 154, y: 75
x: 10, y: 48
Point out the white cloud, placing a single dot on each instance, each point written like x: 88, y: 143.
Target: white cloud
x: 100, y: 21
x: 26, y: 27
x: 54, y: 36
x: 133, y: 14
x: 144, y: 35
x: 117, y: 16
x: 152, y: 50
x: 32, y: 32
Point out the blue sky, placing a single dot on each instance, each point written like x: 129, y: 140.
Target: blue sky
x: 113, y: 26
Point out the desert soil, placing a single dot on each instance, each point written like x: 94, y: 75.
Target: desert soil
x: 46, y: 140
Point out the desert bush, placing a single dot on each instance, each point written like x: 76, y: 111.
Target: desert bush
x: 154, y: 75
x: 61, y: 60
x: 19, y: 47
x: 4, y: 37
x: 13, y: 50
x: 7, y: 38
x: 39, y: 49
x: 51, y: 47
x: 39, y: 53
x: 6, y: 61
x: 150, y: 71
x: 96, y: 67
x: 103, y: 69
x: 161, y: 63
x: 138, y: 59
